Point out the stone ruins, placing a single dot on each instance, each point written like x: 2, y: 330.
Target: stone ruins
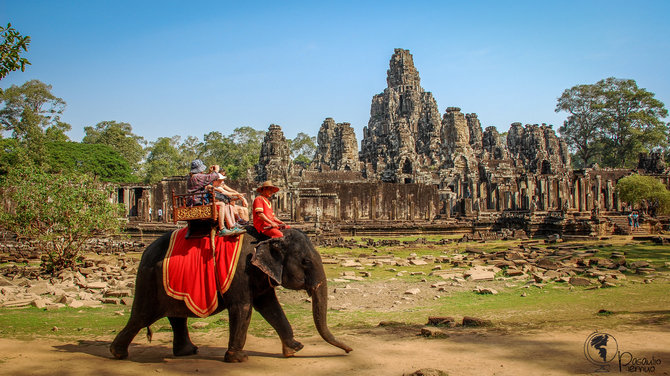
x: 420, y: 170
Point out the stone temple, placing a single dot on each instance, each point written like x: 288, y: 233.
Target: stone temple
x: 420, y: 170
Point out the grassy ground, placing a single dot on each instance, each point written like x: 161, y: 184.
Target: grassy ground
x: 631, y: 303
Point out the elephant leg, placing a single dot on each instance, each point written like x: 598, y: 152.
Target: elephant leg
x: 119, y: 347
x: 239, y: 316
x: 181, y: 341
x: 268, y: 306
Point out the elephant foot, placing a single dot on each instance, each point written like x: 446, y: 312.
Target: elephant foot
x: 188, y: 349
x: 290, y: 349
x: 235, y: 356
x: 118, y: 353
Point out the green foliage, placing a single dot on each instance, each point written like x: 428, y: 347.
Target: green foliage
x: 611, y: 121
x: 303, y: 148
x: 235, y: 153
x: 58, y: 211
x: 101, y: 161
x: 120, y: 137
x: 164, y: 160
x: 10, y: 50
x: 580, y: 130
x: 32, y: 113
x: 30, y: 108
x: 644, y: 191
x: 12, y: 154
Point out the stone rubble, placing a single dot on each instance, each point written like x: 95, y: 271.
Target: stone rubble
x: 105, y: 281
x: 96, y: 283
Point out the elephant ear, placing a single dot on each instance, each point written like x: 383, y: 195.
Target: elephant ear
x: 270, y: 259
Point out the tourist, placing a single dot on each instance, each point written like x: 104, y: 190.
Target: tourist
x: 242, y: 211
x: 198, y: 179
x: 636, y: 220
x: 150, y: 214
x: 160, y: 215
x: 630, y: 221
x: 226, y: 207
x: 265, y: 221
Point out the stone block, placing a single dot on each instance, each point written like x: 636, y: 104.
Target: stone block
x: 580, y: 281
x: 127, y: 301
x: 350, y: 264
x: 485, y: 290
x: 475, y: 322
x: 479, y: 275
x: 432, y: 332
x: 117, y: 293
x: 513, y: 272
x: 99, y: 285
x: 40, y: 303
x: 442, y: 321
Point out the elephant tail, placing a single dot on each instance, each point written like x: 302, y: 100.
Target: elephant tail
x: 150, y: 334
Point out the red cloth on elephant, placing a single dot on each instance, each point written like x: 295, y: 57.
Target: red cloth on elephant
x: 188, y: 269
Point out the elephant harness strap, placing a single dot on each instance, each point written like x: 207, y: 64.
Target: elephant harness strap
x: 194, y: 271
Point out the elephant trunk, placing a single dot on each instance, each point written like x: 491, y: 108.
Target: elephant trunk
x: 319, y: 308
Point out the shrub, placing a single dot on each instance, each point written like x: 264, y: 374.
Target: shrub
x: 59, y: 211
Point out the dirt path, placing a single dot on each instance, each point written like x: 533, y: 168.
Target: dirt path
x: 376, y: 352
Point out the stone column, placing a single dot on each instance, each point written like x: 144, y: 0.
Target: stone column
x: 543, y: 194
x: 608, y: 195
x: 550, y: 185
x: 582, y: 194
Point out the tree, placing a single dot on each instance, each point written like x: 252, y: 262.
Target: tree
x: 631, y: 119
x: 32, y: 113
x: 248, y: 143
x: 189, y: 150
x: 10, y: 50
x: 164, y: 160
x: 645, y: 192
x: 235, y: 153
x: 580, y: 130
x: 42, y: 207
x: 100, y: 161
x: 120, y: 137
x: 30, y: 107
x: 12, y: 154
x: 612, y: 121
x: 303, y: 148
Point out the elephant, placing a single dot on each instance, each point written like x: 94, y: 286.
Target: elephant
x: 290, y: 261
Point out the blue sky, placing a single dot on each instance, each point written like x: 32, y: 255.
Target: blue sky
x: 187, y: 68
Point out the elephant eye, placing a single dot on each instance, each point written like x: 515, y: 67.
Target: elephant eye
x: 306, y: 262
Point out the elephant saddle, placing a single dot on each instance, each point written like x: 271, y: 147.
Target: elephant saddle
x: 194, y: 274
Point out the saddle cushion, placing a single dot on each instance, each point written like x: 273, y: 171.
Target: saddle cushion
x: 189, y: 269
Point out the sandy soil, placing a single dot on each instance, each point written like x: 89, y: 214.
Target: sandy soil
x: 378, y: 352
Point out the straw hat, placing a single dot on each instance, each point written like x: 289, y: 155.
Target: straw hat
x: 267, y: 184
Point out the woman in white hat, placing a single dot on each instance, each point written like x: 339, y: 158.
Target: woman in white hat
x: 225, y: 197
